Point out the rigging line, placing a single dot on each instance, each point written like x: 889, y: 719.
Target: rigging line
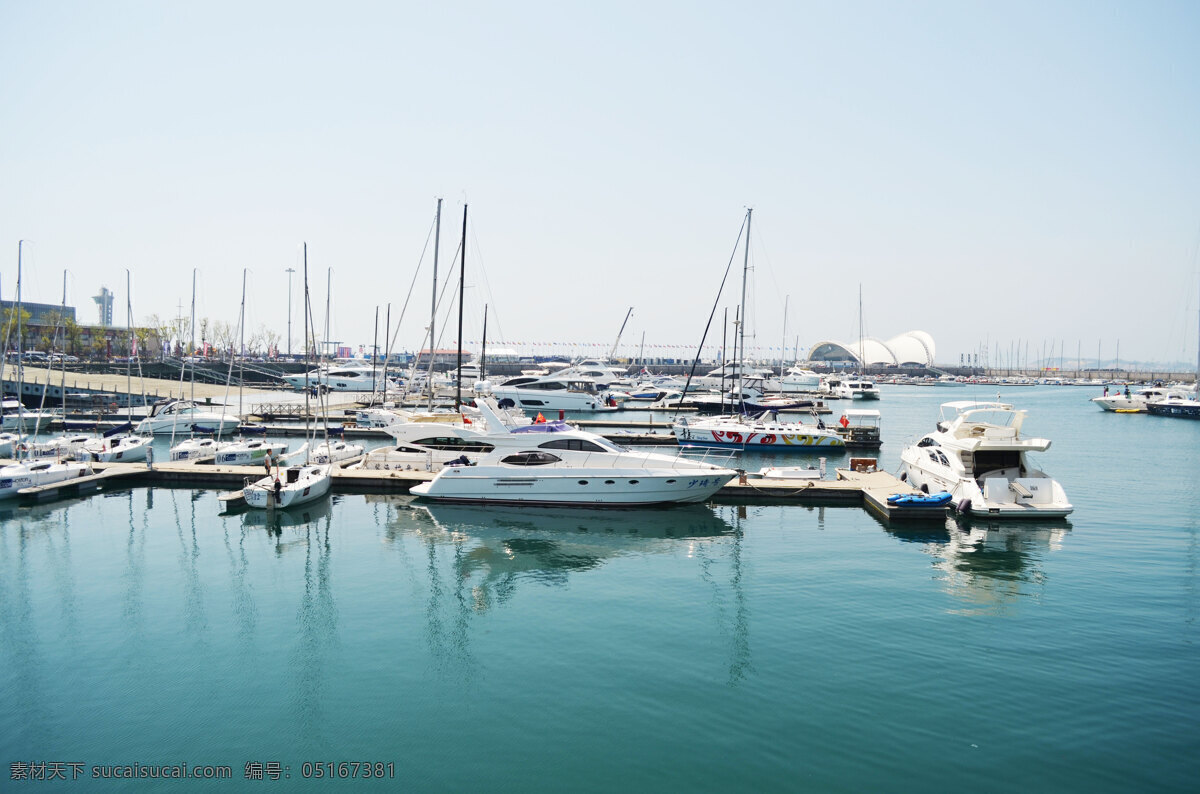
x: 704, y: 336
x: 487, y: 285
x: 389, y: 346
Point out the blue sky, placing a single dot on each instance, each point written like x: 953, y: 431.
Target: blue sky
x: 1003, y: 171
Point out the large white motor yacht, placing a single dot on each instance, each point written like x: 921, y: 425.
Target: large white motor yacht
x: 185, y: 416
x: 554, y: 463
x: 550, y: 393
x: 763, y: 433
x: 978, y: 455
x: 1137, y: 401
x: 344, y: 377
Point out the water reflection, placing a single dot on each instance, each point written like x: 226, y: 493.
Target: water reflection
x: 549, y: 544
x: 988, y: 565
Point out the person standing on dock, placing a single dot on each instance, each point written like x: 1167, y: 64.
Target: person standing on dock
x: 267, y: 462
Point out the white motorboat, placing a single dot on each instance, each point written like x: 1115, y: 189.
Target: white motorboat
x: 1136, y: 401
x: 1179, y: 405
x: 180, y: 417
x: 551, y: 393
x: 799, y: 379
x: 344, y: 377
x: 554, y: 463
x: 289, y: 487
x: 978, y: 455
x: 860, y: 389
x: 15, y: 417
x: 761, y: 433
x: 248, y: 451
x: 31, y: 473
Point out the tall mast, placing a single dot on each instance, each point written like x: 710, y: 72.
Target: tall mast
x: 437, y: 237
x: 304, y: 311
x: 740, y: 362
x: 132, y: 347
x: 193, y: 342
x: 861, y: 356
x: 241, y: 343
x: 374, y: 352
x: 462, y: 287
x: 783, y: 337
x: 20, y: 353
x: 483, y: 347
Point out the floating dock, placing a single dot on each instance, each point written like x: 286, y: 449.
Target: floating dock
x: 851, y: 488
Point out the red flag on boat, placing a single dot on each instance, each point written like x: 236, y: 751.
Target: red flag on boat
x: 540, y: 419
x: 844, y: 422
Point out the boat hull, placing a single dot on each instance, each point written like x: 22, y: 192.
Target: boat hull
x: 261, y: 494
x: 693, y: 436
x: 579, y: 487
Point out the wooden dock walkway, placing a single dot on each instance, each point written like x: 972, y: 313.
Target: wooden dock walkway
x: 851, y: 488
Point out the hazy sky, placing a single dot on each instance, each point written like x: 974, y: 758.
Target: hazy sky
x: 987, y: 171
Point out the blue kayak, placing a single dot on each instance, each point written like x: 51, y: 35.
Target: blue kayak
x: 919, y: 500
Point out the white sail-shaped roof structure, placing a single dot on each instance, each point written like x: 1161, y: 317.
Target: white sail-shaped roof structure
x: 912, y: 348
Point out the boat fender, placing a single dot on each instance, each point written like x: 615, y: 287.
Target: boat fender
x: 963, y: 505
x: 904, y: 476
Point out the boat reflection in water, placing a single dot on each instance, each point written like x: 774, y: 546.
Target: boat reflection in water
x: 989, y: 565
x: 501, y: 545
x: 277, y: 519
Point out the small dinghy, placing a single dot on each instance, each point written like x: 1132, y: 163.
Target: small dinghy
x: 920, y: 499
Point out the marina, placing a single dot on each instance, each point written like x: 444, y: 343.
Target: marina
x: 419, y: 620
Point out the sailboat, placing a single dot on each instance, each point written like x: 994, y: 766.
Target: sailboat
x: 764, y: 432
x: 294, y: 485
x: 29, y: 473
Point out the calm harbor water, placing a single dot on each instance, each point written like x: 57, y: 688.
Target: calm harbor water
x: 709, y: 648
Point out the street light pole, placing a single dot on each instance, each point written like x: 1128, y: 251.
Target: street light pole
x: 290, y: 271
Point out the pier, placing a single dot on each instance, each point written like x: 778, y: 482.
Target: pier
x: 851, y: 488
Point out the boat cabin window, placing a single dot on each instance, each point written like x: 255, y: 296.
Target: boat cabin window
x: 928, y: 442
x: 530, y: 459
x: 454, y: 444
x: 576, y: 444
x: 994, y: 460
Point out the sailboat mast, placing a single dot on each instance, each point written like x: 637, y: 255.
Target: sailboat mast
x: 193, y: 342
x: 483, y: 348
x: 861, y: 356
x: 20, y: 354
x: 462, y: 288
x: 303, y: 311
x: 437, y: 237
x: 241, y: 343
x: 783, y: 337
x: 132, y: 347
x: 739, y: 363
x: 374, y: 351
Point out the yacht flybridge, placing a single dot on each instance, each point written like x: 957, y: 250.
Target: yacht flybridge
x: 979, y: 456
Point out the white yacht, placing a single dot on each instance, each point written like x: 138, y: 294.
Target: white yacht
x: 344, y: 377
x: 799, y: 379
x: 762, y: 433
x: 115, y: 446
x: 186, y: 416
x: 15, y: 417
x: 553, y: 463
x: 978, y: 455
x: 248, y: 451
x: 31, y: 473
x: 860, y: 389
x: 550, y: 393
x: 289, y: 487
x: 335, y: 451
x: 1137, y: 401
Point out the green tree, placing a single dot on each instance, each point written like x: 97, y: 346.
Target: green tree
x: 74, y: 335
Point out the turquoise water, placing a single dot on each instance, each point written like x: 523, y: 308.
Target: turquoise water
x: 708, y: 648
